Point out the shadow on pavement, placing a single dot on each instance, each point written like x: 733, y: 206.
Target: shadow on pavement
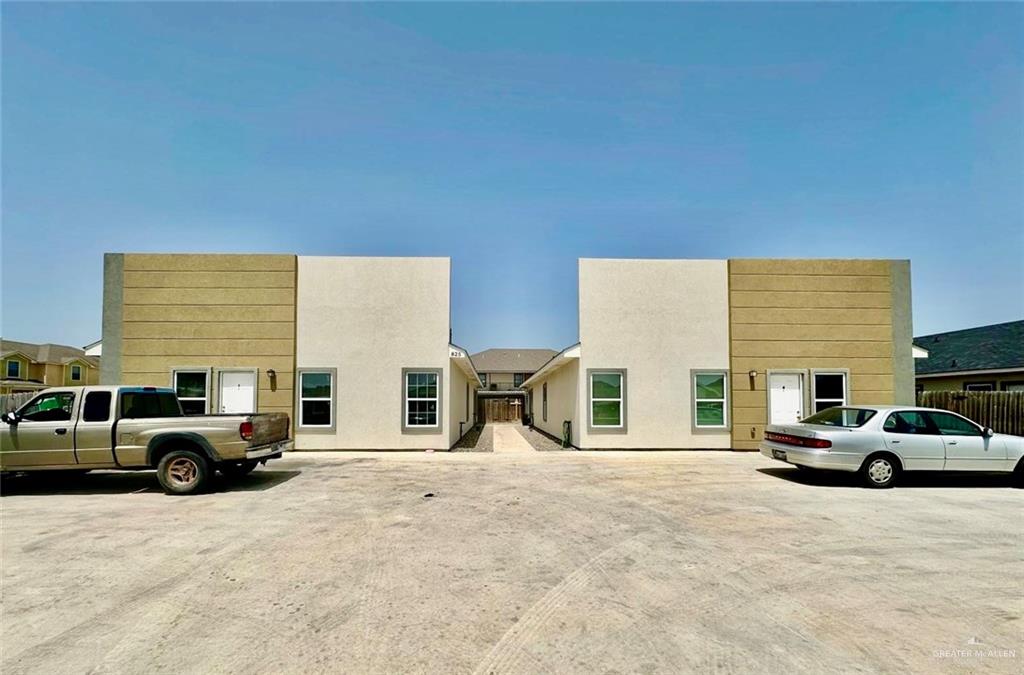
x: 127, y: 482
x: 912, y: 479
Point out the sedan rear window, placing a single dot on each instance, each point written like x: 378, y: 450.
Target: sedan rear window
x: 850, y: 418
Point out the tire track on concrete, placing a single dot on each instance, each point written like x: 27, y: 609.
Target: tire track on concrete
x: 508, y: 649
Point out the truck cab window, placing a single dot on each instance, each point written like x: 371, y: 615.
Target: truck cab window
x: 96, y: 407
x: 142, y: 404
x: 54, y: 407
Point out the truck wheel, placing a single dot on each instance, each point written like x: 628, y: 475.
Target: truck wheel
x: 183, y: 472
x: 238, y: 469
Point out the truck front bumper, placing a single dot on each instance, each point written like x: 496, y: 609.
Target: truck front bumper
x: 268, y: 451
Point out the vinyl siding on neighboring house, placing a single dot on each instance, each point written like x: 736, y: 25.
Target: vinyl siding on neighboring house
x: 167, y: 311
x: 817, y: 314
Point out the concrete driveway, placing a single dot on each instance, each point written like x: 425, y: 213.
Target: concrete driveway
x: 517, y: 563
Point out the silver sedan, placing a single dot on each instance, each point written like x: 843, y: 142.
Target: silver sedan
x: 880, y: 442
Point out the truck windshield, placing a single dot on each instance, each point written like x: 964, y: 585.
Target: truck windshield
x: 139, y: 404
x: 841, y: 417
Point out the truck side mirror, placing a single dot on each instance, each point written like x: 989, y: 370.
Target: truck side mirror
x: 11, y: 418
x: 988, y: 432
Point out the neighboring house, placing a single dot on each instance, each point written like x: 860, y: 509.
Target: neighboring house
x: 987, y: 358
x: 705, y: 353
x: 30, y: 367
x: 356, y: 350
x: 503, y: 372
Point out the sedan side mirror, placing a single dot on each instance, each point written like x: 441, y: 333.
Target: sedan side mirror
x: 988, y: 432
x: 11, y: 418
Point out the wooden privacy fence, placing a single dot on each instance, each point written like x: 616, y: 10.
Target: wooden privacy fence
x: 1001, y: 410
x: 9, y: 402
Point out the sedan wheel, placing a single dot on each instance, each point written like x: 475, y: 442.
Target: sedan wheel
x: 880, y: 472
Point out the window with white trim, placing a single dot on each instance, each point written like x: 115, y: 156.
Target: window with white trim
x: 193, y: 390
x: 829, y: 390
x: 316, y: 398
x: 606, y: 399
x: 421, y: 399
x: 518, y: 379
x: 14, y: 369
x: 76, y: 373
x: 710, y: 399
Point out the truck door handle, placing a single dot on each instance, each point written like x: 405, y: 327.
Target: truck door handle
x: 894, y: 441
x: 952, y: 442
x: 60, y: 432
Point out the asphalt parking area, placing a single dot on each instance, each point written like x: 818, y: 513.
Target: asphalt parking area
x: 526, y: 563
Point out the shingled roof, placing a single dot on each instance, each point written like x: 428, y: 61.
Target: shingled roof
x: 511, y: 360
x: 48, y: 353
x: 996, y: 347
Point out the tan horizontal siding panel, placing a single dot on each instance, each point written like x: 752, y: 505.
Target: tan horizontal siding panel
x: 209, y: 296
x: 749, y: 415
x: 149, y: 364
x: 285, y: 382
x: 203, y: 313
x: 745, y: 445
x: 208, y: 262
x: 868, y: 366
x: 871, y: 397
x: 208, y: 330
x: 815, y: 267
x: 804, y: 348
x: 810, y: 316
x: 187, y: 348
x: 164, y: 279
x: 281, y: 398
x: 750, y: 399
x: 804, y: 282
x: 860, y: 382
x: 809, y: 299
x: 815, y: 332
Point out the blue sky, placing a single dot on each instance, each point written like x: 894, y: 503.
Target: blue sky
x: 515, y: 139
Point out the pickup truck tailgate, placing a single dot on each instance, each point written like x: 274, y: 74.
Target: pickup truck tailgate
x: 269, y: 428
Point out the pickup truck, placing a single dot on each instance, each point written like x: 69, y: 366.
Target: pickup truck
x: 77, y: 429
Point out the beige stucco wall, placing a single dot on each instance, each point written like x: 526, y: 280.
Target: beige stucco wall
x: 658, y: 319
x: 458, y: 410
x: 563, y: 401
x: 369, y: 318
x: 167, y: 311
x: 807, y: 314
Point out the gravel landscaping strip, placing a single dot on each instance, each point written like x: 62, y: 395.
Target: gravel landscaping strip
x: 540, y: 441
x: 478, y: 439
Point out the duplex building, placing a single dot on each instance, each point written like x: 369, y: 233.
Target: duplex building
x: 356, y: 350
x: 705, y: 353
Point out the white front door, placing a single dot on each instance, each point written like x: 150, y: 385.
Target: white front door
x: 785, y: 398
x: 237, y: 392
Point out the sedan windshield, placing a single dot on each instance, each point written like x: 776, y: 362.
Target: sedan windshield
x: 841, y: 417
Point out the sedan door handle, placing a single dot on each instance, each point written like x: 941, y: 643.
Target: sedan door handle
x: 60, y: 432
x: 894, y: 441
x: 952, y: 442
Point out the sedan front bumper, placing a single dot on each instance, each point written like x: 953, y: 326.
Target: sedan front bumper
x: 811, y: 457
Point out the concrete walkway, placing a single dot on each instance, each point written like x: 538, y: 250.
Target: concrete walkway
x: 507, y: 439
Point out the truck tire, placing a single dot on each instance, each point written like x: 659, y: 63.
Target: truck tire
x: 238, y: 469
x: 183, y: 472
